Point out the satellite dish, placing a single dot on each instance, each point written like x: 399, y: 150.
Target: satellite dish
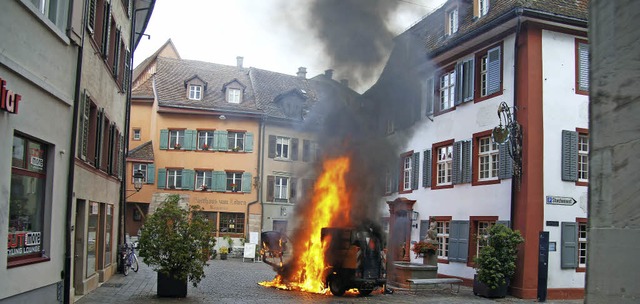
x: 500, y: 135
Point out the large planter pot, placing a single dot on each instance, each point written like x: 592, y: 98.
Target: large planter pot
x: 482, y: 289
x: 223, y: 256
x: 168, y: 286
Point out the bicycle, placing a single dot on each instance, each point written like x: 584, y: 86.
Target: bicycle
x: 130, y: 259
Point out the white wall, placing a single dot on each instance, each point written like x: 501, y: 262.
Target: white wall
x: 563, y: 109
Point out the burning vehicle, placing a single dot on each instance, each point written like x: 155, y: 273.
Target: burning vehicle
x: 353, y: 258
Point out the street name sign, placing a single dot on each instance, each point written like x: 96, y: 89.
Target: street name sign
x: 560, y: 200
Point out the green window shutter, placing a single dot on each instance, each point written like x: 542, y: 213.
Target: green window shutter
x: 219, y: 181
x: 164, y: 139
x: 189, y: 140
x: 248, y: 142
x: 187, y: 179
x: 220, y: 140
x: 458, y: 241
x: 162, y: 178
x: 569, y: 156
x: 583, y: 67
x: 151, y: 173
x: 415, y: 175
x: 466, y: 161
x: 424, y: 228
x: 428, y: 93
x: 294, y: 149
x: 569, y: 248
x: 456, y: 176
x: 457, y: 98
x: 493, y: 70
x: 246, y: 182
x: 468, y: 80
x: 271, y: 182
x: 505, y: 163
x: 272, y: 146
x: 426, y: 169
x: 306, y: 146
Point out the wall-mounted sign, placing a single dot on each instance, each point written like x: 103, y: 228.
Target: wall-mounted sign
x: 552, y: 246
x: 560, y: 200
x: 8, y: 99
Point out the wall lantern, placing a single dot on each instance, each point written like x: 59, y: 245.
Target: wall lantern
x: 414, y: 219
x: 138, y: 176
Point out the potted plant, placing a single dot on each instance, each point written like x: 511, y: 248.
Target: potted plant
x: 203, y: 187
x: 176, y: 243
x: 224, y: 251
x: 229, y: 241
x: 177, y: 146
x: 234, y: 187
x: 496, y: 262
x: 235, y: 149
x: 205, y: 147
x: 423, y: 248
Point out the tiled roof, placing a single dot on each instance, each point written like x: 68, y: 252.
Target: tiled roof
x: 268, y: 86
x: 144, y: 89
x: 142, y: 152
x: 171, y: 91
x: 431, y: 29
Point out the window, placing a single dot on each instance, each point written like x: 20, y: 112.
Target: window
x: 174, y: 178
x: 205, y: 140
x: 582, y: 244
x: 195, y: 92
x: 27, y: 200
x: 444, y: 162
x: 489, y: 73
x: 452, y: 21
x: 232, y: 222
x: 136, y: 134
x: 281, y: 189
x: 442, y: 229
x: 282, y: 147
x: 482, y: 8
x: 87, y: 128
x: 488, y: 157
x: 310, y: 151
x: 388, y: 182
x: 482, y: 234
x: 54, y: 10
x: 233, y: 95
x: 406, y: 173
x: 447, y: 89
x: 203, y: 180
x: 234, y: 181
x: 108, y: 232
x: 92, y: 238
x: 236, y: 141
x: 575, y: 156
x: 142, y: 168
x: 583, y: 157
x: 176, y: 139
x: 582, y: 67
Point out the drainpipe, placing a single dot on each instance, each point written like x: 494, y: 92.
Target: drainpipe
x: 260, y: 171
x: 515, y: 186
x: 69, y: 227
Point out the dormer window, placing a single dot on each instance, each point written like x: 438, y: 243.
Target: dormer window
x: 452, y: 21
x: 481, y: 8
x: 233, y: 95
x: 195, y: 92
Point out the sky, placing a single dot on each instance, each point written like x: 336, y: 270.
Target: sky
x: 282, y: 35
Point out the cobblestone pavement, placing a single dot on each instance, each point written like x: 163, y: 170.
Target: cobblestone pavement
x: 235, y: 281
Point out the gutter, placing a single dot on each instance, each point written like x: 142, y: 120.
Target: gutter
x: 69, y: 227
x: 260, y: 169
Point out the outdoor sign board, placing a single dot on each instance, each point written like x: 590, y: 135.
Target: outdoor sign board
x: 560, y: 200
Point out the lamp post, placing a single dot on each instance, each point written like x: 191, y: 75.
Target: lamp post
x: 138, y: 176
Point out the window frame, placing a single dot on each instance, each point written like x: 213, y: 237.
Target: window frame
x: 139, y: 165
x: 238, y: 138
x: 583, y: 133
x: 578, y: 71
x: 208, y: 136
x: 281, y: 189
x: 195, y: 92
x: 43, y: 199
x: 582, y: 243
x: 407, y: 169
x: 480, y: 56
x: 482, y: 8
x: 206, y: 175
x: 443, y: 229
x: 475, y: 162
x: 473, y: 235
x: 452, y: 19
x: 233, y: 177
x: 280, y: 147
x: 234, y: 95
x: 179, y: 134
x: 237, y: 219
x: 434, y: 163
x: 177, y: 176
x: 451, y: 88
x: 136, y: 134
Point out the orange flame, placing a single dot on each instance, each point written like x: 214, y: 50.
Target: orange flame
x: 330, y: 206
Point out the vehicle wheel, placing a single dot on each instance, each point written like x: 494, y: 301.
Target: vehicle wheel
x: 364, y: 292
x: 336, y: 286
x: 135, y: 266
x: 125, y: 268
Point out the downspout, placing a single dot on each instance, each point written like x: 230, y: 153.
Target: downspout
x: 514, y: 184
x: 260, y: 168
x: 69, y: 227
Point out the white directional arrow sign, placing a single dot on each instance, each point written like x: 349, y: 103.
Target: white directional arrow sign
x: 560, y: 200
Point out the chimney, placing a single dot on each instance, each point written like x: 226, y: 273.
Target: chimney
x: 345, y: 82
x: 328, y: 73
x: 239, y: 61
x: 302, y: 72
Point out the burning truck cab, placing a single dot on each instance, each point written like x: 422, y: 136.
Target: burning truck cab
x: 353, y: 258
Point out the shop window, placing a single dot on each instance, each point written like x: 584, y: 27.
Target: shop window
x: 92, y: 239
x: 231, y: 223
x: 27, y: 202
x: 108, y: 234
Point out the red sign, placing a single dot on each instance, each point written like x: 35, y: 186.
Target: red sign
x: 8, y: 99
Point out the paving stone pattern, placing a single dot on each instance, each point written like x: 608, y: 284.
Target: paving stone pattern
x: 235, y: 281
